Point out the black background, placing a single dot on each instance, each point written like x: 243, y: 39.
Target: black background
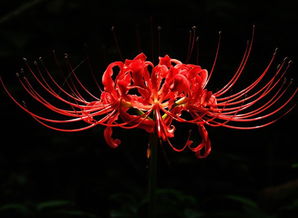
x: 44, y: 173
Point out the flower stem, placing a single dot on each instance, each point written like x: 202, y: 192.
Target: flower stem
x: 153, y: 146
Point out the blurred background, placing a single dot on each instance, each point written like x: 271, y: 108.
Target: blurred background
x: 44, y: 173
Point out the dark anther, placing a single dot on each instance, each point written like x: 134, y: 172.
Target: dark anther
x: 276, y: 50
x: 24, y: 103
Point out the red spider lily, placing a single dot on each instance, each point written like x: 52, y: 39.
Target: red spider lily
x: 150, y: 97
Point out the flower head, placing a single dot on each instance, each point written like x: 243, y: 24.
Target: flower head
x: 138, y: 94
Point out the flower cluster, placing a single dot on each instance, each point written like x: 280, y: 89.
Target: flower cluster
x: 138, y: 94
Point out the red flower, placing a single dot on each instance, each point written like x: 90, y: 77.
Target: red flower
x: 150, y: 97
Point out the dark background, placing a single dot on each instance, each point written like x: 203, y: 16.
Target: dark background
x: 44, y: 173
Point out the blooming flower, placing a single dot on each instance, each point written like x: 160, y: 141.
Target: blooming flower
x: 138, y: 94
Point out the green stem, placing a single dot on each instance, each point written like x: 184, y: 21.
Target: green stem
x: 153, y: 146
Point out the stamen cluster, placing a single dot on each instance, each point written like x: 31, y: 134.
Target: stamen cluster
x: 138, y: 94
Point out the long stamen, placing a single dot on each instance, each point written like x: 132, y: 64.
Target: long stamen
x: 254, y: 84
x: 240, y: 69
x: 72, y: 71
x: 116, y: 42
x: 191, y: 45
x: 215, y: 59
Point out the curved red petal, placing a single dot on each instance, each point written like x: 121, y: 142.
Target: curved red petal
x: 113, y: 143
x: 107, y: 81
x: 206, y: 143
